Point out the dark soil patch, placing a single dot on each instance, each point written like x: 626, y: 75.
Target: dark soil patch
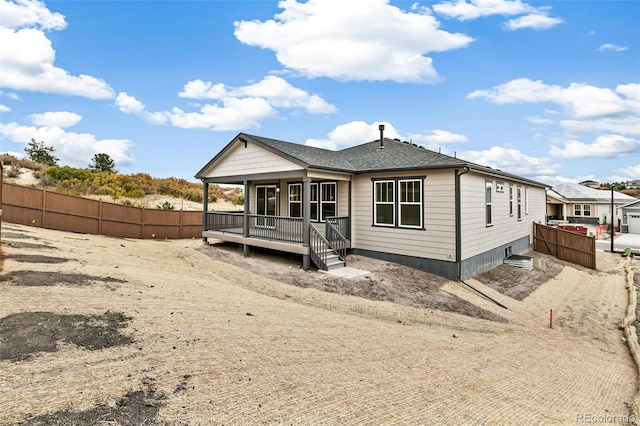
x: 387, y: 282
x: 39, y: 278
x: 27, y: 333
x: 133, y: 409
x: 17, y: 235
x: 519, y: 283
x: 35, y: 258
x: 22, y: 245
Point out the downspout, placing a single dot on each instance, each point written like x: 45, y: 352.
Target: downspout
x: 458, y: 220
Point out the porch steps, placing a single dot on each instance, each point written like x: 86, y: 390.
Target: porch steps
x: 334, y: 262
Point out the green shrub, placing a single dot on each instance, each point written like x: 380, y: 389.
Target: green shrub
x: 165, y: 206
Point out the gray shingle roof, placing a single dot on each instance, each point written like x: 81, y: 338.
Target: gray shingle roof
x: 367, y: 157
x: 575, y: 192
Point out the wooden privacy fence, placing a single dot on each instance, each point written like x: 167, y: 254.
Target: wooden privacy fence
x: 565, y: 245
x: 51, y: 210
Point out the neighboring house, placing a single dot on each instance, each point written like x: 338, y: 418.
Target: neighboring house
x: 632, y: 184
x: 384, y: 199
x: 590, y: 184
x: 630, y: 217
x: 576, y: 203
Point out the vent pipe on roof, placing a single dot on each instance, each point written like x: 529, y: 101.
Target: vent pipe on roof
x: 381, y: 128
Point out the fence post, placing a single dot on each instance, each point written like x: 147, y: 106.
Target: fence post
x: 44, y: 207
x: 99, y: 217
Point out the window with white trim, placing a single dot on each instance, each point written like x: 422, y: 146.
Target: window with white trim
x: 519, y: 197
x: 526, y: 201
x: 410, y: 203
x: 511, y: 200
x: 384, y: 203
x: 328, y: 206
x: 295, y: 200
x: 577, y: 210
x: 586, y: 210
x: 313, y: 197
x: 398, y: 203
x: 488, y: 189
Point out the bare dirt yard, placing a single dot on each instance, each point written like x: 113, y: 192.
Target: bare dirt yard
x: 99, y: 330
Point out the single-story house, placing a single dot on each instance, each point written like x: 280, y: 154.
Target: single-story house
x: 630, y: 217
x: 385, y: 199
x: 575, y: 203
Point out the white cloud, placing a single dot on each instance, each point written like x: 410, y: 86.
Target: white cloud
x: 437, y: 139
x: 275, y: 90
x: 353, y: 133
x: 579, y: 100
x: 605, y: 146
x: 4, y: 108
x: 60, y: 119
x: 623, y: 125
x: 534, y: 21
x: 539, y: 120
x: 237, y: 107
x: 512, y: 161
x: 234, y: 114
x: 26, y: 13
x: 534, y: 17
x: 75, y: 149
x: 358, y: 132
x: 628, y: 173
x: 28, y: 56
x: 352, y: 40
x: 463, y: 10
x: 611, y: 46
x: 130, y: 105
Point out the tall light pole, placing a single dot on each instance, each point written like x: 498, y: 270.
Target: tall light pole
x: 613, y: 219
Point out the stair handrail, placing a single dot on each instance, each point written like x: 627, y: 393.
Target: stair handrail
x: 337, y: 241
x: 318, y: 246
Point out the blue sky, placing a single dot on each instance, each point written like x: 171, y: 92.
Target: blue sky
x: 549, y: 90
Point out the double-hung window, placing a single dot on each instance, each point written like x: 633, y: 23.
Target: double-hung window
x: 385, y: 208
x: 313, y: 197
x: 586, y: 210
x: 410, y: 203
x: 511, y: 200
x: 295, y: 200
x: 488, y: 188
x: 398, y: 203
x: 519, y: 196
x: 322, y: 200
x: 328, y: 206
x: 577, y: 210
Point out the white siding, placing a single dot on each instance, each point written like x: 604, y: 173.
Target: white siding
x: 239, y: 160
x: 436, y: 241
x: 476, y: 236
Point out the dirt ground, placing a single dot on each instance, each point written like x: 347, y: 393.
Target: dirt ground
x: 99, y: 330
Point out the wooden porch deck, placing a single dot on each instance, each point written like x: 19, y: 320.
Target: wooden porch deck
x: 270, y: 232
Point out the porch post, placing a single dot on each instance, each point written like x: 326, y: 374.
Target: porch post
x: 205, y: 207
x: 246, y: 249
x: 306, y: 219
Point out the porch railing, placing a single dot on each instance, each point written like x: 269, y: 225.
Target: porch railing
x: 342, y: 225
x: 323, y: 248
x: 231, y: 222
x: 278, y: 228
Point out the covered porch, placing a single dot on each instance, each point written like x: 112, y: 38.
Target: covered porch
x: 288, y: 212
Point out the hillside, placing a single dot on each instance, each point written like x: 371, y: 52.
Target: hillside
x: 137, y: 190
